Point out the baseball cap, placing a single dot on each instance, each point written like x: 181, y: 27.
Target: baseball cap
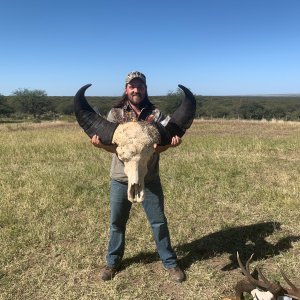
x: 135, y: 74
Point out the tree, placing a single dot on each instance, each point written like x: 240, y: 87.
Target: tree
x: 253, y: 110
x: 65, y: 108
x: 178, y: 93
x: 5, y: 109
x: 277, y: 112
x: 174, y: 98
x: 34, y: 102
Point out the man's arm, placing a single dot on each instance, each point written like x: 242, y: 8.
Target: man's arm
x: 95, y: 140
x: 176, y: 141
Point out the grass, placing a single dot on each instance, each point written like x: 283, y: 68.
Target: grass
x: 231, y: 185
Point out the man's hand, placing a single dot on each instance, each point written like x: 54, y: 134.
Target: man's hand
x: 176, y: 141
x: 95, y: 140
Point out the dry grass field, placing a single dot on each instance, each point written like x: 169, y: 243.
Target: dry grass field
x: 231, y: 186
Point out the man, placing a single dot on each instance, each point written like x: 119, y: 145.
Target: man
x: 134, y: 106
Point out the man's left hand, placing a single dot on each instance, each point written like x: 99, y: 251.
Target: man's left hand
x: 176, y: 141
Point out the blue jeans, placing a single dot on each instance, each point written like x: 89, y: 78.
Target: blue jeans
x: 153, y: 205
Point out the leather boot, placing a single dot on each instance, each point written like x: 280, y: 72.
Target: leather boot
x: 176, y: 274
x: 107, y: 273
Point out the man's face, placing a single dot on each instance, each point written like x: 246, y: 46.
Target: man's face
x: 136, y: 91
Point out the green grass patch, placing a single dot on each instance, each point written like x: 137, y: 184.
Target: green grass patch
x: 231, y: 186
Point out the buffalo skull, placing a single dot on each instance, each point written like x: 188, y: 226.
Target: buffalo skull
x: 135, y: 140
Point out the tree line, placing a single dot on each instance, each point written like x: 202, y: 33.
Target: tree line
x: 36, y: 104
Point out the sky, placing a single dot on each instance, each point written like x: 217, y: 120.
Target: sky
x: 213, y: 47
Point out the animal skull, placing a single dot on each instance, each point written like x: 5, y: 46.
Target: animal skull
x: 135, y: 146
x: 262, y: 295
x: 135, y: 140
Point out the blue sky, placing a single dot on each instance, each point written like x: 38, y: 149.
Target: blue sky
x: 214, y: 47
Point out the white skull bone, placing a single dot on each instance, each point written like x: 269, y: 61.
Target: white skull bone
x: 135, y: 146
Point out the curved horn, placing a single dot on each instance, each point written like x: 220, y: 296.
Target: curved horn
x: 90, y: 121
x: 180, y: 120
x: 184, y: 115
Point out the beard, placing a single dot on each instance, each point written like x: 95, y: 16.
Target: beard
x: 136, y: 99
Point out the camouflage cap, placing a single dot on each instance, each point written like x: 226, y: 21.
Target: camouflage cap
x: 135, y: 74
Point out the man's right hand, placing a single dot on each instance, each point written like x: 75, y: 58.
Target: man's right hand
x: 95, y: 140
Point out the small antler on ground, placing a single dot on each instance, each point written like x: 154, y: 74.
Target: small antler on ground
x: 294, y: 292
x: 250, y: 283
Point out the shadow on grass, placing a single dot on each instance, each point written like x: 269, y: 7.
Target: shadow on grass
x: 245, y: 239
x: 143, y: 257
